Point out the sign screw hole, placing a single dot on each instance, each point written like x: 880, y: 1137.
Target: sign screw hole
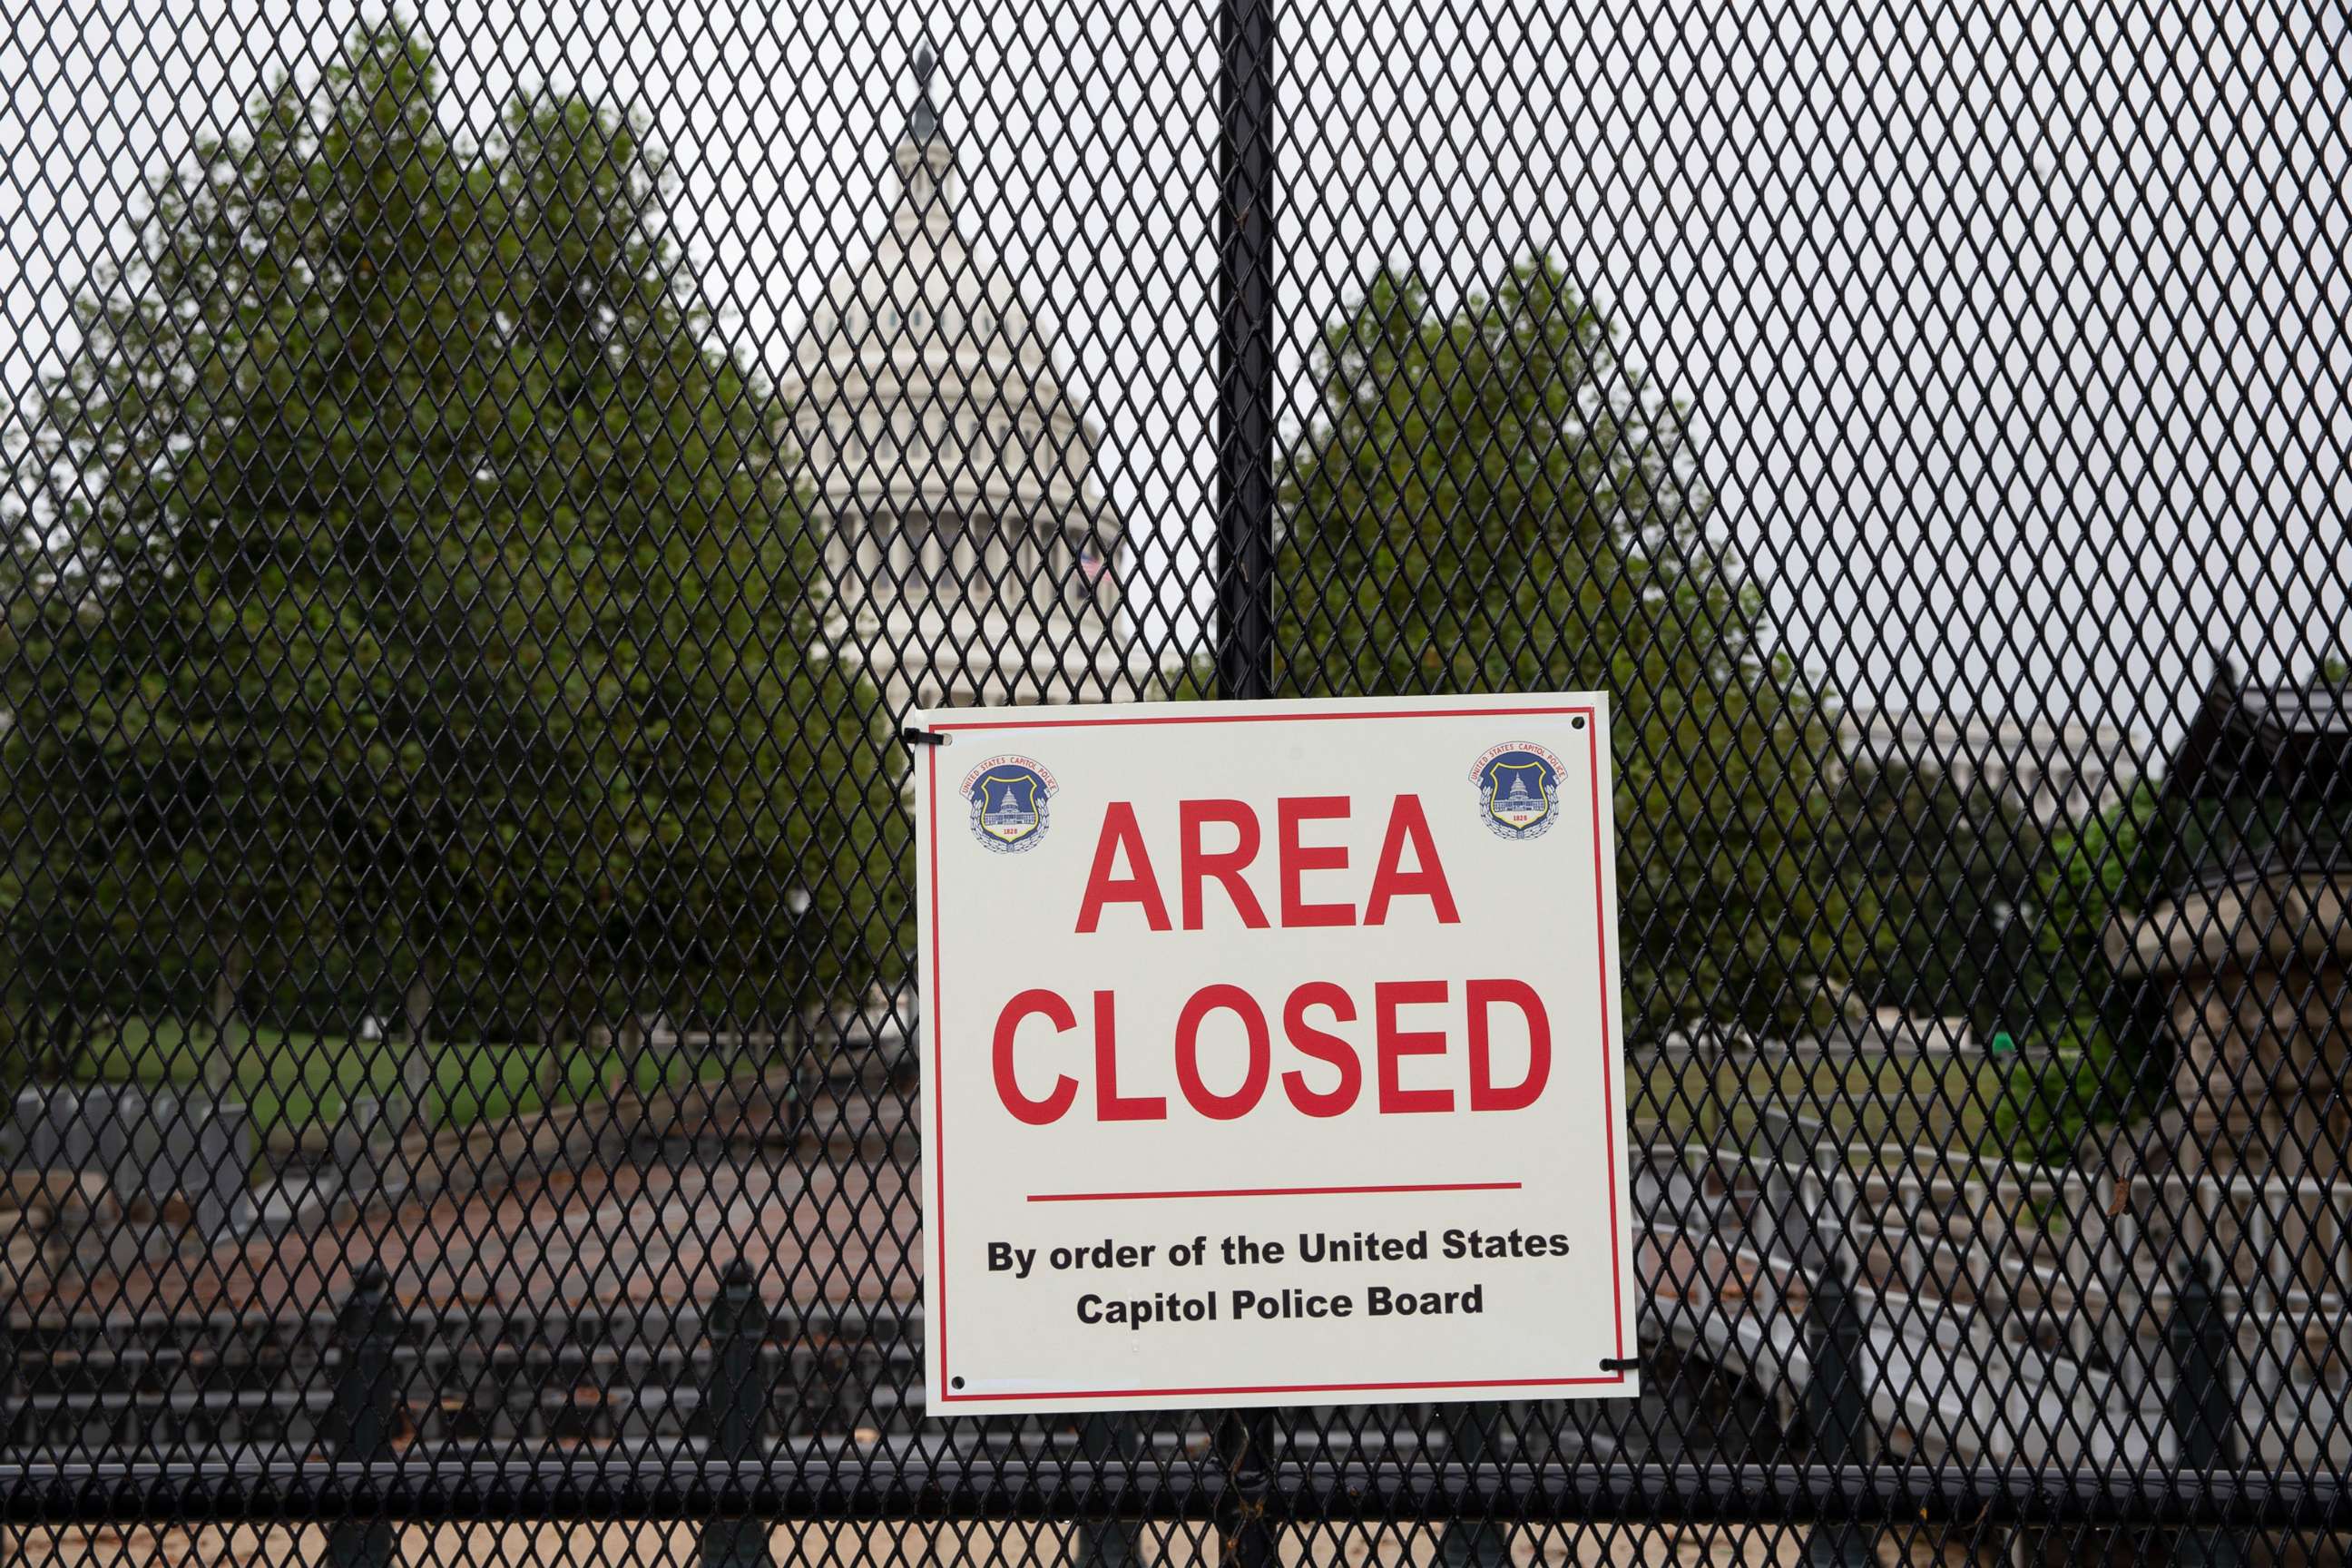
x: 955, y: 1383
x: 1576, y: 723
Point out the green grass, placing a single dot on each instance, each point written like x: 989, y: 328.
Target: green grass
x: 288, y: 1077
x: 1908, y: 1098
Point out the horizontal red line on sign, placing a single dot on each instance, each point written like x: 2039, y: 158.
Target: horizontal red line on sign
x: 1274, y: 1192
x: 1254, y: 718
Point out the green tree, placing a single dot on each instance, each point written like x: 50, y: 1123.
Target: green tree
x: 1951, y: 869
x: 2084, y: 1058
x: 426, y: 619
x: 2097, y: 868
x: 1488, y: 500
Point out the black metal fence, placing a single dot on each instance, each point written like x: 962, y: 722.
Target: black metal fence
x: 483, y: 491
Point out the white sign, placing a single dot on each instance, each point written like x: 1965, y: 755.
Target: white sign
x: 1271, y: 1055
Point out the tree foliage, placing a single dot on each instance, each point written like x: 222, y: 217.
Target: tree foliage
x: 2095, y: 869
x: 418, y: 596
x: 2086, y: 1057
x: 1950, y: 869
x: 1489, y: 499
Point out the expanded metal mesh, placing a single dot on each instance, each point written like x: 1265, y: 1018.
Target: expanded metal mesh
x: 484, y: 487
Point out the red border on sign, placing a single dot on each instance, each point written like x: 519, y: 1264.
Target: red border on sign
x: 931, y: 1010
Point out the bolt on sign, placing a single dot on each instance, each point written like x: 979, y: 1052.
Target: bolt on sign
x: 1271, y: 1055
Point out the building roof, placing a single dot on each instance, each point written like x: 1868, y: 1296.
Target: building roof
x: 2256, y: 742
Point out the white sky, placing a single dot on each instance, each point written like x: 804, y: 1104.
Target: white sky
x: 2012, y: 335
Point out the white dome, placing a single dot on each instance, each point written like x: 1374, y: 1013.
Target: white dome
x: 922, y: 377
x: 970, y: 558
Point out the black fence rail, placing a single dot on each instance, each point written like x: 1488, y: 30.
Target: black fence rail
x: 593, y: 1380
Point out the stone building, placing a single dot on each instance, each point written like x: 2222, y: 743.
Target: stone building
x: 2057, y: 771
x: 2246, y: 959
x: 972, y: 559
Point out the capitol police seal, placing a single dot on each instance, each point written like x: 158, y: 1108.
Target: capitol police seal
x: 1010, y: 800
x: 1518, y: 789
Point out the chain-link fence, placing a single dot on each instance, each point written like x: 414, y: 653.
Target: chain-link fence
x: 484, y: 487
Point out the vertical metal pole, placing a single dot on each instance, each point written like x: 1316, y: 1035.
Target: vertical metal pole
x: 1836, y: 1411
x: 15, y: 1544
x: 1473, y: 1543
x: 1245, y: 1444
x: 735, y: 1401
x: 359, y: 1421
x: 2203, y: 1407
x: 1246, y: 130
x: 1104, y: 1436
x: 1245, y: 347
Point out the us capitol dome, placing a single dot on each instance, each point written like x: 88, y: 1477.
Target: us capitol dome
x: 972, y: 559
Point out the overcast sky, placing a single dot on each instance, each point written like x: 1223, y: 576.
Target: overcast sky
x: 2011, y: 335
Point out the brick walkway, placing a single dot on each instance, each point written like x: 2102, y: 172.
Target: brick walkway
x: 632, y: 1232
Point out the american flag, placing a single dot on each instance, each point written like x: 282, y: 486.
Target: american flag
x: 1091, y: 562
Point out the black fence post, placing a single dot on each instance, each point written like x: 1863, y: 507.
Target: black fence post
x: 359, y: 1421
x: 735, y: 1403
x: 15, y: 1430
x: 1473, y: 1543
x: 1245, y: 131
x: 1244, y: 432
x: 2204, y: 1405
x: 1837, y: 1411
x: 1105, y: 1436
x: 1245, y: 1440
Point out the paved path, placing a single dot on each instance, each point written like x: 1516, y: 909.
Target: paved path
x: 640, y: 1232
